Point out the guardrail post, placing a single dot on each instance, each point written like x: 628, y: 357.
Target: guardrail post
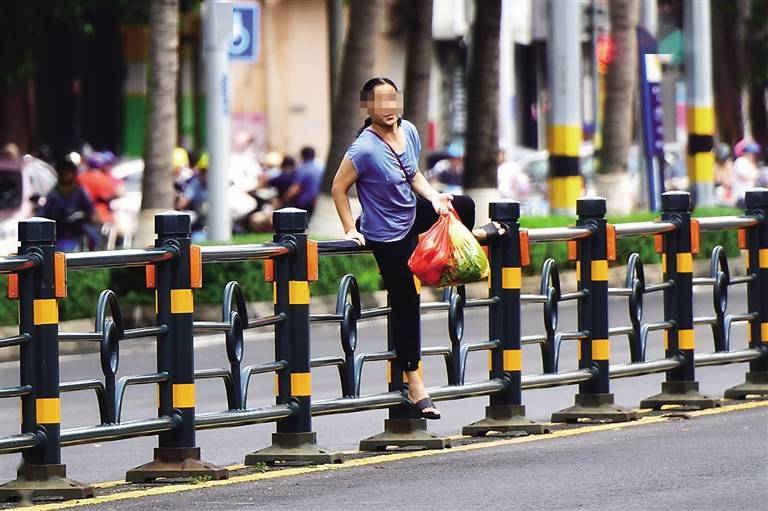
x: 680, y: 387
x: 41, y: 473
x: 177, y: 455
x: 506, y: 412
x: 594, y: 400
x: 294, y: 440
x: 756, y: 383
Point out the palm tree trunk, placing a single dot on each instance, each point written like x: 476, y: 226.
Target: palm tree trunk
x: 620, y: 86
x: 482, y: 143
x: 418, y: 62
x: 160, y: 133
x: 727, y: 75
x: 356, y: 69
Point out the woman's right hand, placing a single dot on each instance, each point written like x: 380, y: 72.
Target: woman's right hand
x: 355, y: 236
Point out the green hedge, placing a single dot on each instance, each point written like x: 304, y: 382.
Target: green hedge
x: 85, y: 285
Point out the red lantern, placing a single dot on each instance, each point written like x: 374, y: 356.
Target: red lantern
x: 604, y: 52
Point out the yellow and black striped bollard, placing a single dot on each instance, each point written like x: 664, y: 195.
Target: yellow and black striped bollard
x: 594, y: 400
x: 680, y: 387
x: 177, y: 454
x: 506, y: 412
x: 41, y: 473
x: 756, y: 383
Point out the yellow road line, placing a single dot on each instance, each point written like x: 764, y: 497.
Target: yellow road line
x: 378, y: 460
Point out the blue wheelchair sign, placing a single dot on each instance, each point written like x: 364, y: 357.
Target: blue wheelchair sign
x: 245, y: 32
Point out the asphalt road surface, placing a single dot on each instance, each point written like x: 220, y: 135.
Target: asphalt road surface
x: 109, y: 461
x: 708, y: 463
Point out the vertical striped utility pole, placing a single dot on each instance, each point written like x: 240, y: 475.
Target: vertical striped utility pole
x: 701, y: 113
x: 564, y: 130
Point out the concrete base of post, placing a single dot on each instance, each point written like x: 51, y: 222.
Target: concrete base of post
x: 173, y: 463
x: 294, y: 448
x: 504, y: 419
x: 596, y: 408
x: 756, y: 384
x: 680, y: 393
x: 43, y: 481
x: 405, y: 433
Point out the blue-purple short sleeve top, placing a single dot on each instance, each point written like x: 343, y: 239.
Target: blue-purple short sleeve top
x: 388, y: 201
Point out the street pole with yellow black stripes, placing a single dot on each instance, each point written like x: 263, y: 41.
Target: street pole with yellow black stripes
x: 41, y: 473
x: 756, y: 383
x: 564, y: 81
x: 700, y: 100
x: 680, y: 387
x: 177, y: 455
x: 594, y: 400
x: 294, y: 440
x: 506, y: 412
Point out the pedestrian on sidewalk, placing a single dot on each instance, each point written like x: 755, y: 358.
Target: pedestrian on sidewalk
x: 398, y: 204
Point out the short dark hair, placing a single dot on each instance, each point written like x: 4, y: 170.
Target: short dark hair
x: 307, y: 153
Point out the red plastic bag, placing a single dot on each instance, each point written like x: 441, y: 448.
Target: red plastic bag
x: 448, y: 254
x: 433, y: 252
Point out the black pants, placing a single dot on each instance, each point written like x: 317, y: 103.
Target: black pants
x: 392, y: 258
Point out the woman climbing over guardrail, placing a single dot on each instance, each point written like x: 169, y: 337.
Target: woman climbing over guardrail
x: 398, y: 204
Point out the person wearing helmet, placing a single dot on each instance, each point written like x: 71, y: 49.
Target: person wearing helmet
x: 723, y: 173
x: 745, y: 171
x: 69, y: 205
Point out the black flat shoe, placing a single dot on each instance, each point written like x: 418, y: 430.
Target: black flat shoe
x: 421, y: 406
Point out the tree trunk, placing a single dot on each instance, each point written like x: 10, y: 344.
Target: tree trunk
x: 418, y: 62
x: 482, y: 143
x: 620, y: 86
x: 160, y: 134
x: 728, y: 77
x: 356, y: 69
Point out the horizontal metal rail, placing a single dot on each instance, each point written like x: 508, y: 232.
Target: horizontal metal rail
x: 741, y: 279
x: 16, y: 340
x: 661, y: 286
x: 244, y: 417
x: 533, y: 339
x: 226, y: 253
x: 333, y: 360
x: 14, y: 264
x: 146, y: 331
x: 643, y: 228
x: 547, y: 234
x: 716, y: 223
x: 18, y: 391
x: 340, y: 247
x: 727, y: 357
x: 543, y: 381
x: 18, y: 443
x: 533, y: 298
x: 80, y: 336
x: 640, y: 368
x: 110, y: 432
x: 482, y: 302
x: 118, y: 258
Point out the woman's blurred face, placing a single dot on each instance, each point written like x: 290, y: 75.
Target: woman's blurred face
x: 384, y: 105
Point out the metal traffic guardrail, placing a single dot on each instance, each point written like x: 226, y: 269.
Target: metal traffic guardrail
x: 37, y: 279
